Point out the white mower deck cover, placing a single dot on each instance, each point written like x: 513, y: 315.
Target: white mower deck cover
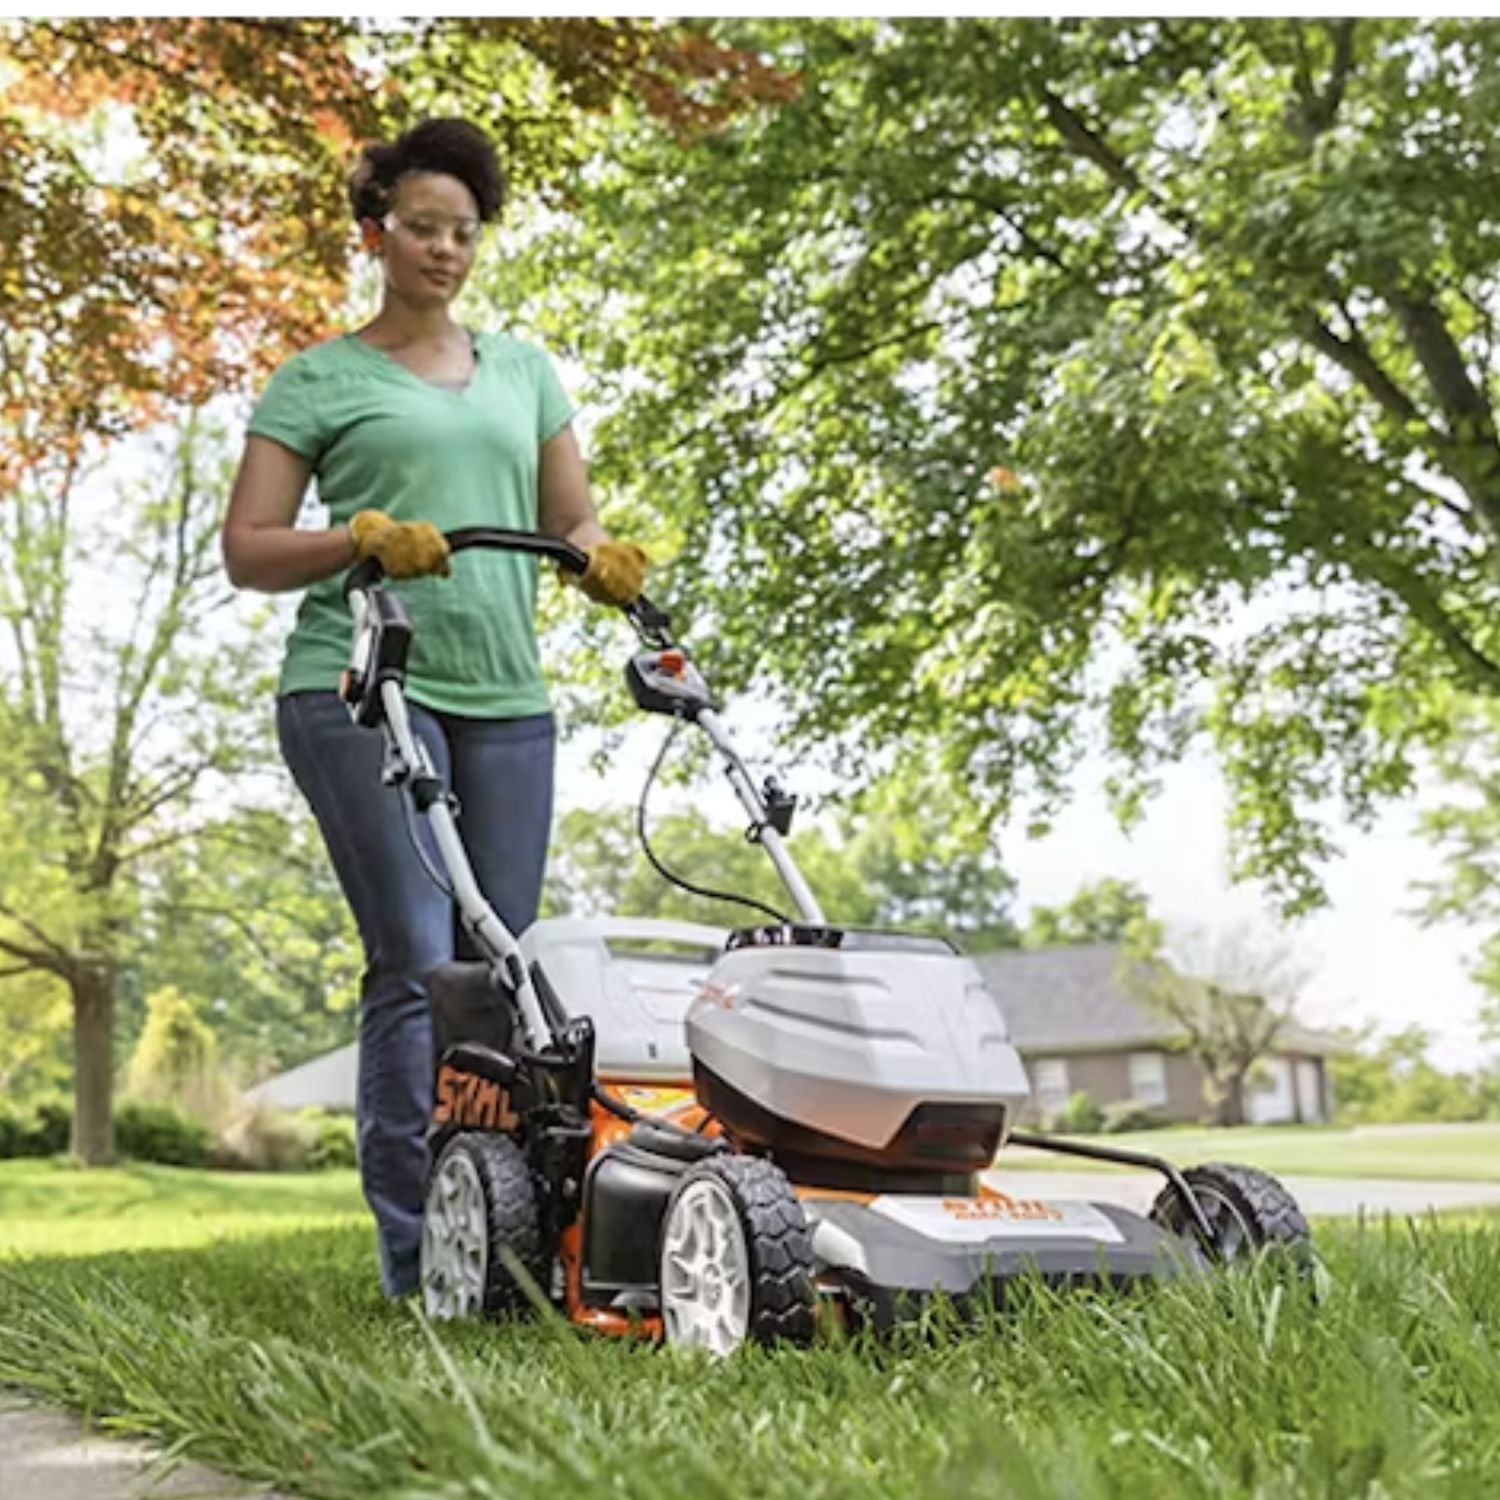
x: 635, y: 978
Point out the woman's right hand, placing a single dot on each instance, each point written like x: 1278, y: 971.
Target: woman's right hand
x: 405, y: 549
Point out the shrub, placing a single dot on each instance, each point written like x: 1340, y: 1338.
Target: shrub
x: 12, y: 1130
x: 48, y: 1130
x: 1128, y: 1114
x: 1079, y: 1116
x: 161, y: 1132
x: 263, y: 1139
x: 176, y: 1060
x: 335, y: 1142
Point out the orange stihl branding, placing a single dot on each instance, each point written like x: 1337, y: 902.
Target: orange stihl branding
x: 1002, y: 1206
x: 467, y: 1099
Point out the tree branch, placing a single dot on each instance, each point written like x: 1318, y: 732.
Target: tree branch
x: 1480, y: 671
x: 48, y: 955
x: 1354, y: 357
x: 1088, y: 143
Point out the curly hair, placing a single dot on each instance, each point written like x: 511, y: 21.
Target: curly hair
x: 455, y: 147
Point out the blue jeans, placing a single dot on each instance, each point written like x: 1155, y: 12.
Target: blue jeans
x: 501, y: 772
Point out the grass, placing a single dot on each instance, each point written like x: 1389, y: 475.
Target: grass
x: 52, y: 1207
x: 272, y: 1354
x: 1470, y: 1152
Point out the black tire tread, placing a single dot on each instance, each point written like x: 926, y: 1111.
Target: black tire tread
x: 783, y: 1299
x: 1268, y: 1209
x: 512, y: 1219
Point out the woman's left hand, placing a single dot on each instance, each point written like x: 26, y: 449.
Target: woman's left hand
x: 616, y: 573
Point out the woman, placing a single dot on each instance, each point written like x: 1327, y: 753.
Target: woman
x: 415, y: 426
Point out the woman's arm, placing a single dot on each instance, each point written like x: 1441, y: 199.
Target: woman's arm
x: 564, y: 507
x: 262, y: 548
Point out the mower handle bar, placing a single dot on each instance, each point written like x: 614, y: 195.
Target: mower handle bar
x: 642, y: 613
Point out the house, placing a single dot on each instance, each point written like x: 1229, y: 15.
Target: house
x: 1077, y: 1029
x: 1074, y: 1025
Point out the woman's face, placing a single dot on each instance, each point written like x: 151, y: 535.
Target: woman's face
x: 428, y: 239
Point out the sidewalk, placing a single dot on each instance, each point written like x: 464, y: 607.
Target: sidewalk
x: 48, y: 1455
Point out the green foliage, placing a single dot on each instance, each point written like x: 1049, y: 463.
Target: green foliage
x: 35, y: 1030
x: 161, y: 1132
x: 176, y: 1059
x: 1128, y: 1115
x: 335, y: 1143
x: 121, y: 727
x: 1392, y: 1080
x: 1022, y: 385
x: 1106, y: 911
x: 1081, y: 1115
x: 248, y: 914
x: 881, y: 867
x: 38, y: 1130
x: 1466, y: 830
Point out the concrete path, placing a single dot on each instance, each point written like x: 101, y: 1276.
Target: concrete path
x: 46, y: 1455
x: 1323, y: 1196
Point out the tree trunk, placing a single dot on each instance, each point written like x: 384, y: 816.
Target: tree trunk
x: 93, y: 1065
x: 1230, y: 1104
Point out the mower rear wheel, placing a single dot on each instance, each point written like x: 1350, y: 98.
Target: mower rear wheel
x: 479, y: 1223
x: 735, y: 1261
x: 1248, y: 1210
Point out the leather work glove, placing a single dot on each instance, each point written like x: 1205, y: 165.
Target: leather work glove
x: 616, y: 573
x: 405, y: 549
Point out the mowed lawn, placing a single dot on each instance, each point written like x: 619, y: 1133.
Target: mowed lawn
x: 265, y: 1348
x: 54, y: 1208
x: 1422, y: 1152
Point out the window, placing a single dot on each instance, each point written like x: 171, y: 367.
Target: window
x: 1049, y: 1084
x: 1148, y: 1078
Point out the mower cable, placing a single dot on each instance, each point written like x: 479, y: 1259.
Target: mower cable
x: 661, y: 869
x: 409, y: 820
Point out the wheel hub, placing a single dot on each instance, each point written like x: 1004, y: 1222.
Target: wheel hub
x: 705, y: 1266
x: 455, y: 1242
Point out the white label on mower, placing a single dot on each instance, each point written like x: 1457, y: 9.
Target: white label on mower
x: 998, y: 1216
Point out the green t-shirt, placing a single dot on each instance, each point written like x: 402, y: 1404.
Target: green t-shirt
x: 381, y: 438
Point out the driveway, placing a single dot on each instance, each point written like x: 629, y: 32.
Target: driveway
x: 1323, y: 1196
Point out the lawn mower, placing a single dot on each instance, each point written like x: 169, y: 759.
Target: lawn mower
x: 710, y: 1135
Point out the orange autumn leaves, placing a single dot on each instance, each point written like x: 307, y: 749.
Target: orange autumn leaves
x: 172, y: 210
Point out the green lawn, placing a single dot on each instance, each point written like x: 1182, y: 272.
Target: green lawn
x: 270, y: 1352
x: 1449, y: 1151
x: 49, y: 1206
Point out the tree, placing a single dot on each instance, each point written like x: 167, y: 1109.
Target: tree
x: 122, y: 709
x: 876, y: 869
x: 173, y: 188
x: 1105, y: 911
x: 1024, y: 383
x: 1230, y: 993
x: 247, y: 916
x: 1392, y: 1079
x: 1467, y: 832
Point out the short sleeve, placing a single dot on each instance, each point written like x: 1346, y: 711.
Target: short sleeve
x: 288, y: 411
x: 553, y: 409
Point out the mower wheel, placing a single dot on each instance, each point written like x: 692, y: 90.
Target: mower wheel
x: 1248, y: 1210
x: 479, y: 1224
x: 736, y: 1260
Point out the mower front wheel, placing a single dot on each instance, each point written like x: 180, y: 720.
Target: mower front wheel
x: 480, y: 1225
x: 736, y: 1259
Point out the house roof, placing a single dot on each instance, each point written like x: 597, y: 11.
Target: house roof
x: 1071, y: 1000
